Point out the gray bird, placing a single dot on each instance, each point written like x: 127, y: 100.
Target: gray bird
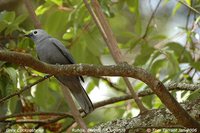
x: 52, y: 51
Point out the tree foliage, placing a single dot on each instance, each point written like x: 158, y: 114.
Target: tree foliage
x: 162, y: 40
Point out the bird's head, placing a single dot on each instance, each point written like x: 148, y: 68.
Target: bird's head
x: 37, y: 34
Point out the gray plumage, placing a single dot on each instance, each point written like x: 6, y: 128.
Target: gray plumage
x: 52, y: 51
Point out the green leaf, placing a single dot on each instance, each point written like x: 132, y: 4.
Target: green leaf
x: 94, y: 45
x: 57, y: 2
x: 20, y: 19
x: 157, y: 103
x: 12, y: 104
x: 196, y: 65
x: 145, y: 54
x: 180, y: 52
x: 184, y: 95
x: 3, y: 85
x: 3, y: 25
x: 139, y: 85
x: 11, y: 28
x: 111, y: 113
x: 188, y: 2
x: 12, y: 74
x: 178, y: 5
x: 82, y: 54
x: 157, y: 66
x: 133, y: 5
x: 47, y: 101
x: 11, y: 44
x: 148, y: 100
x: 26, y: 43
x: 158, y: 37
x: 106, y: 8
x: 156, y: 55
x: 90, y: 87
x: 57, y: 27
x: 67, y: 36
x: 173, y: 65
x: 43, y: 8
x: 194, y: 95
x: 96, y: 81
x: 2, y: 63
x: 9, y: 17
x: 6, y: 88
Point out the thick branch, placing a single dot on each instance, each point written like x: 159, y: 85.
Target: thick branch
x: 154, y: 119
x: 124, y: 70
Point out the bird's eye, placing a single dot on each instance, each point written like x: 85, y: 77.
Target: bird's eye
x: 35, y: 32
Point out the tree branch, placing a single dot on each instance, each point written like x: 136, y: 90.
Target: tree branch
x: 48, y: 121
x: 189, y: 7
x: 33, y: 16
x: 122, y: 69
x: 24, y: 89
x: 171, y: 87
x: 152, y: 120
x: 150, y: 20
x: 112, y: 85
x: 35, y: 114
x: 108, y: 36
x: 58, y: 117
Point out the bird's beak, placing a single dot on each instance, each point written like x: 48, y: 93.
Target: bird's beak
x: 28, y: 35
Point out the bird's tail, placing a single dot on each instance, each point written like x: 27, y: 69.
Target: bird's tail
x: 75, y: 87
x: 83, y: 100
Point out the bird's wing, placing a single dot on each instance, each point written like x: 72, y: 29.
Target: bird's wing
x: 63, y: 51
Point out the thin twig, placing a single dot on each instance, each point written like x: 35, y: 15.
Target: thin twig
x: 186, y: 27
x: 172, y: 87
x: 24, y: 89
x: 150, y: 20
x: 66, y: 8
x: 191, y: 8
x: 33, y: 16
x: 35, y: 114
x: 48, y: 121
x: 112, y: 85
